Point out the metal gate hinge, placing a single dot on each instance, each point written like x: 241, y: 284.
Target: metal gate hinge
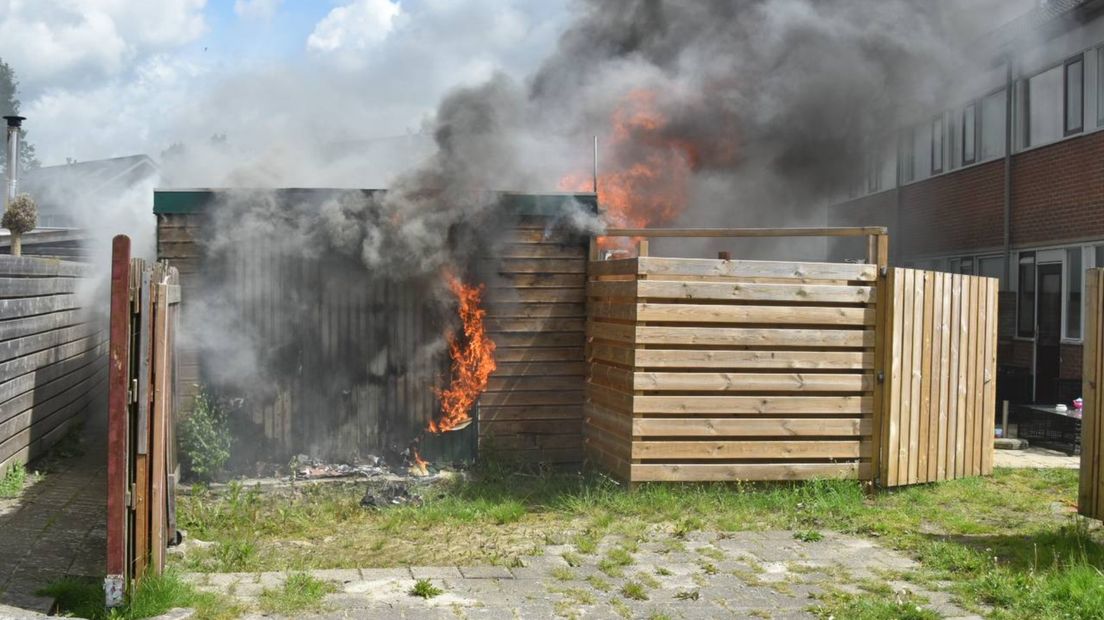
x: 881, y: 377
x: 130, y: 496
x: 133, y: 392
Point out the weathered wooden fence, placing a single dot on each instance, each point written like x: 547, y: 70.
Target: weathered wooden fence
x: 704, y: 369
x: 1090, y: 498
x: 142, y: 406
x: 937, y: 418
x: 53, y: 355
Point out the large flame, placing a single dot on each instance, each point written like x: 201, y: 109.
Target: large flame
x: 472, y: 359
x: 646, y: 171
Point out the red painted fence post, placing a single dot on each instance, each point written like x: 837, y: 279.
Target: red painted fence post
x: 117, y: 400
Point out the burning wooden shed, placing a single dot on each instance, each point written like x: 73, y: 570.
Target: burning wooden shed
x: 324, y: 356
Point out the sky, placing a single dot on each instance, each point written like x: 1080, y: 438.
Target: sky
x: 106, y: 78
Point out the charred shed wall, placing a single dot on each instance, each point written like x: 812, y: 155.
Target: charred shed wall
x: 533, y: 408
x: 348, y: 360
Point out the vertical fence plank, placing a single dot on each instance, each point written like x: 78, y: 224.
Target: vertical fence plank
x: 907, y: 346
x: 945, y: 318
x: 117, y: 389
x: 159, y: 415
x: 915, y: 392
x: 895, y: 352
x: 1088, y: 488
x: 926, y: 378
x: 990, y: 405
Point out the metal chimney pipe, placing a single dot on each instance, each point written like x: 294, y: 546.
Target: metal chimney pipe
x: 14, y: 123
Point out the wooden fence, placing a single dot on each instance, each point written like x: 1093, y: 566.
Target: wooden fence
x: 731, y: 370
x: 1090, y: 498
x: 938, y: 409
x: 532, y: 410
x: 703, y: 369
x: 53, y: 355
x: 142, y: 416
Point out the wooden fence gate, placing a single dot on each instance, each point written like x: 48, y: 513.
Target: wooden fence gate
x: 1090, y: 498
x: 141, y: 463
x: 940, y: 357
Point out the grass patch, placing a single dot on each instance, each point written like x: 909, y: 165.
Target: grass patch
x: 615, y: 562
x: 663, y: 571
x: 997, y: 539
x: 300, y: 592
x: 808, y: 536
x: 634, y: 590
x: 598, y: 583
x: 156, y: 595
x: 424, y: 588
x: 874, y: 607
x: 12, y: 482
x: 562, y: 573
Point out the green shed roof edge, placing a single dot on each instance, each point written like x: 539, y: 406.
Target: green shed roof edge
x: 185, y: 201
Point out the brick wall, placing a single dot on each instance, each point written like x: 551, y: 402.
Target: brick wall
x: 953, y: 212
x: 1058, y: 191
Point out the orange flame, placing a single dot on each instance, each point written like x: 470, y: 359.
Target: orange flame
x: 646, y: 181
x: 472, y: 359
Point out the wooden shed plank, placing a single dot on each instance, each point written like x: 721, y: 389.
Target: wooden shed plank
x: 649, y: 265
x: 747, y: 382
x: 747, y: 471
x: 750, y: 427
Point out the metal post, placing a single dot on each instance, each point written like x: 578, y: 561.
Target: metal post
x: 595, y: 164
x: 12, y: 170
x: 1004, y: 420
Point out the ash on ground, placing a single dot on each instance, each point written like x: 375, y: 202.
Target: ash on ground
x: 304, y: 467
x: 392, y: 494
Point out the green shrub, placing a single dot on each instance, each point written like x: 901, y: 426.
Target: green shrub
x: 205, y: 439
x: 12, y: 481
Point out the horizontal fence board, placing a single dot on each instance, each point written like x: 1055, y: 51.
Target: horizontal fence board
x: 496, y: 325
x: 540, y: 265
x: 39, y: 377
x: 31, y: 306
x: 762, y: 337
x: 501, y: 309
x: 488, y: 413
x: 653, y: 265
x: 538, y: 339
x: 557, y: 397
x: 733, y: 291
x: 775, y: 315
x: 33, y: 442
x: 496, y: 428
x: 568, y: 295
x: 705, y: 359
x: 747, y: 471
x: 711, y: 405
x: 753, y: 427
x: 541, y: 369
x: 34, y: 266
x: 539, y: 354
x: 30, y: 363
x: 20, y: 412
x: 530, y: 384
x: 10, y: 349
x: 762, y: 449
x: 508, y: 281
x: 541, y: 250
x: 27, y: 326
x: 30, y: 287
x: 748, y: 382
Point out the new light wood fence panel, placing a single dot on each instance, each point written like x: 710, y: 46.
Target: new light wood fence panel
x: 53, y: 354
x: 532, y: 410
x: 940, y: 398
x: 1090, y: 499
x: 725, y: 370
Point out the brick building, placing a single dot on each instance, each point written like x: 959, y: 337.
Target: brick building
x: 1008, y: 181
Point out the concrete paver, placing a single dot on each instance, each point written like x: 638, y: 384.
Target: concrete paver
x: 743, y: 574
x: 56, y: 527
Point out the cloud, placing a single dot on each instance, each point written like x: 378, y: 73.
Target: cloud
x: 259, y: 10
x: 55, y: 41
x: 356, y: 26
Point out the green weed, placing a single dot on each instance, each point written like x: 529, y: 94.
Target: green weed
x: 634, y: 590
x: 11, y: 483
x: 300, y: 592
x: 425, y: 589
x: 156, y: 595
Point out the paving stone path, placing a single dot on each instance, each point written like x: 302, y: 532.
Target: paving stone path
x: 57, y: 527
x: 701, y: 575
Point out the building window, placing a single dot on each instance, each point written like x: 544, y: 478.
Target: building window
x: 1075, y: 95
x: 1025, y: 299
x: 993, y: 112
x: 1044, y: 107
x: 921, y: 152
x: 937, y: 145
x: 992, y: 267
x: 1100, y: 89
x: 969, y: 134
x: 1074, y: 274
